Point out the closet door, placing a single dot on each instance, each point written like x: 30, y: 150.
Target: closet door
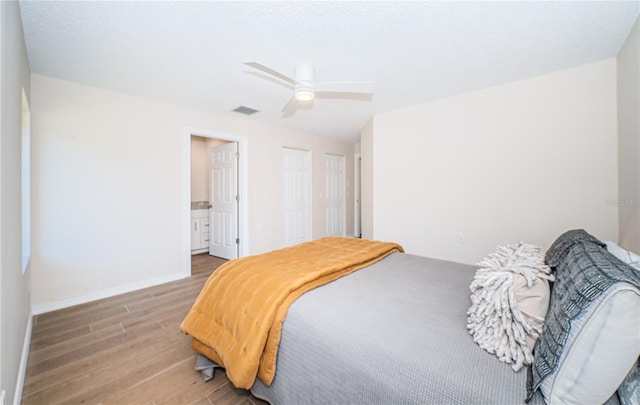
x: 297, y: 195
x: 334, y: 194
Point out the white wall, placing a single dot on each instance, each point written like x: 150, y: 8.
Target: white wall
x: 629, y: 140
x: 266, y: 181
x: 108, y: 211
x: 523, y: 161
x: 14, y: 295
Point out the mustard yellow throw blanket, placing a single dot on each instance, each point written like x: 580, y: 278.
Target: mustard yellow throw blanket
x: 237, y: 319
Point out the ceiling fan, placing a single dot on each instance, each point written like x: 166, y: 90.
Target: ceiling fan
x: 306, y: 90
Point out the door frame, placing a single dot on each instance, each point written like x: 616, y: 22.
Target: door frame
x: 357, y: 195
x: 243, y: 191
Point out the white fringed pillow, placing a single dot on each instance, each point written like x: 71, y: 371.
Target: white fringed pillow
x: 509, y: 300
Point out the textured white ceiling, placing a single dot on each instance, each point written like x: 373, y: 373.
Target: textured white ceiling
x: 192, y: 53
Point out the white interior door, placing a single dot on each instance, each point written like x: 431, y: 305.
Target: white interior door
x: 223, y: 200
x: 334, y: 194
x: 297, y: 196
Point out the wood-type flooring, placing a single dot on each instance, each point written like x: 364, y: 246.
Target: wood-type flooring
x: 126, y: 349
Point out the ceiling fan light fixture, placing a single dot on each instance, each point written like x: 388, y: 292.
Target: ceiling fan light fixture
x: 304, y: 95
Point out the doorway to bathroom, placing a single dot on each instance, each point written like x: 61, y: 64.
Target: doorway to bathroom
x: 217, y: 206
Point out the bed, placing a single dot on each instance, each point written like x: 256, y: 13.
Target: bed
x: 392, y: 331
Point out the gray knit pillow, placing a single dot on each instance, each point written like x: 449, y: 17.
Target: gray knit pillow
x: 629, y: 391
x: 560, y: 248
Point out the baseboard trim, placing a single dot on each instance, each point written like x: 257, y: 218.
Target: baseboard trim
x: 109, y: 292
x: 22, y: 370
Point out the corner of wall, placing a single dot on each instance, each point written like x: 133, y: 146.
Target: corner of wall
x: 22, y: 370
x: 628, y: 87
x: 14, y: 284
x: 366, y: 174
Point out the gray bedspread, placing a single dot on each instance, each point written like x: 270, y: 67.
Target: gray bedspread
x: 392, y: 333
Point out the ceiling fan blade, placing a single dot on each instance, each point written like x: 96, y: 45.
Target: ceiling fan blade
x: 272, y: 72
x: 273, y: 80
x: 344, y: 87
x: 290, y: 108
x: 344, y: 95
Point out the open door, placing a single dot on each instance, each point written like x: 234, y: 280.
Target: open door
x: 223, y: 200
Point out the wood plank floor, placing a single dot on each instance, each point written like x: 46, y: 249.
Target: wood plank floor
x: 126, y: 349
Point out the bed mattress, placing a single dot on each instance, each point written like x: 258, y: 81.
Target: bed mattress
x: 394, y: 332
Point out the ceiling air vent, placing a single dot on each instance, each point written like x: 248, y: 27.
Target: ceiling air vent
x: 245, y: 110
